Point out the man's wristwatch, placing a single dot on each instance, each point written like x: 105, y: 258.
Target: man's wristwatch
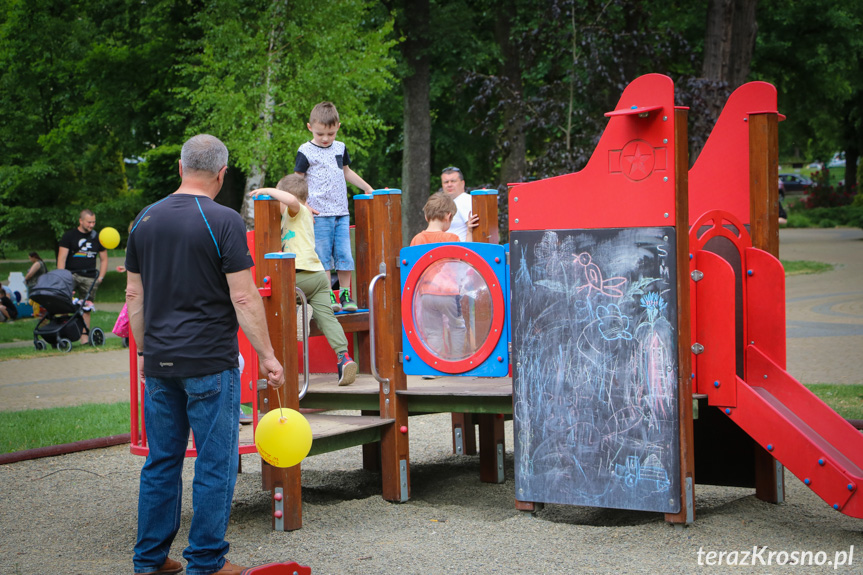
x: 140, y: 354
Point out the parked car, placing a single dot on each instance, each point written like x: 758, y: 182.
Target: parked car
x: 795, y: 183
x: 837, y: 161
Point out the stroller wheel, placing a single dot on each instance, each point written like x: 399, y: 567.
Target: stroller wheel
x: 64, y: 344
x: 97, y: 336
x: 40, y: 345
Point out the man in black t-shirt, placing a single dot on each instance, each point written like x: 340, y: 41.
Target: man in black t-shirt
x: 189, y: 286
x: 78, y: 253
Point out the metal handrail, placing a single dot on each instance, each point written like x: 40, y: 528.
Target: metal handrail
x: 374, y: 365
x: 305, y: 387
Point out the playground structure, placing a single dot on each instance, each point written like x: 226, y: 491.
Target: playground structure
x: 647, y: 321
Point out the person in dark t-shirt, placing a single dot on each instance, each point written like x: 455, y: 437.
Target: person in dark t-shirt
x: 189, y: 286
x: 78, y: 253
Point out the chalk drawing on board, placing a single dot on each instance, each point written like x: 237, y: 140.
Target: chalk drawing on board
x: 595, y: 376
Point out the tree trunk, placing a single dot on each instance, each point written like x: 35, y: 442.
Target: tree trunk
x: 416, y: 158
x: 851, y: 154
x: 728, y: 46
x: 743, y: 31
x: 717, y: 40
x: 258, y: 172
x: 254, y: 180
x: 513, y: 162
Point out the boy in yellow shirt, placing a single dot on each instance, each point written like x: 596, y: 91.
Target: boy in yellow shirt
x: 298, y: 237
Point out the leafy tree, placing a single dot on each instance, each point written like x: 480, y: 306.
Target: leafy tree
x: 264, y: 64
x: 83, y: 89
x: 811, y: 51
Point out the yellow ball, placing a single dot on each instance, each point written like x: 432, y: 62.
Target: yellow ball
x: 283, y: 437
x: 109, y: 238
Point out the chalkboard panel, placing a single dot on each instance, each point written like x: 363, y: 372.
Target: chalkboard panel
x: 594, y: 316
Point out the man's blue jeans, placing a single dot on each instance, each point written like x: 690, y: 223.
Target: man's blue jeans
x: 209, y: 405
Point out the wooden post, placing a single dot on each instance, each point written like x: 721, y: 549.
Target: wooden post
x: 492, y: 439
x: 280, y: 308
x: 385, y: 241
x: 684, y: 322
x: 484, y: 204
x: 764, y: 230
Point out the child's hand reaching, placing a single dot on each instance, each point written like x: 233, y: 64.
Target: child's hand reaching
x: 472, y: 220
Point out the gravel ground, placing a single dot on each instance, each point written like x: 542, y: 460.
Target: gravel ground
x: 75, y: 514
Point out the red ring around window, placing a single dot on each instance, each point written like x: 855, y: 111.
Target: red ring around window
x: 482, y: 267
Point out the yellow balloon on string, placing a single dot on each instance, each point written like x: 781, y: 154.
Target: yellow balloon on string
x: 283, y: 437
x: 109, y: 238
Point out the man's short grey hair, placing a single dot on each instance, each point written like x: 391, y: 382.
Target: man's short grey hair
x: 204, y: 153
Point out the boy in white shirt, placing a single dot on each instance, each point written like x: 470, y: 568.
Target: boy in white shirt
x: 325, y: 164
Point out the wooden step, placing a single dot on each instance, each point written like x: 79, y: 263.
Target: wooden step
x: 442, y: 394
x: 351, y: 322
x: 334, y: 432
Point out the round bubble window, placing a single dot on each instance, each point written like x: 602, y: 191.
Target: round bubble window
x: 452, y: 309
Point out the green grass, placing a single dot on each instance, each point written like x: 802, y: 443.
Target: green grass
x: 8, y: 267
x: 34, y: 428
x: 799, y: 267
x: 29, y: 352
x: 846, y: 400
x: 49, y: 254
x: 22, y: 329
x: 113, y: 289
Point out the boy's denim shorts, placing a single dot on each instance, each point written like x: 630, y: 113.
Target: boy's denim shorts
x: 333, y: 242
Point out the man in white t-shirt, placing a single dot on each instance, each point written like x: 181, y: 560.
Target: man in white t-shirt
x: 464, y: 221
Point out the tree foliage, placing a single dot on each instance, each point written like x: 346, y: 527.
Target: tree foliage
x: 97, y: 96
x: 265, y: 63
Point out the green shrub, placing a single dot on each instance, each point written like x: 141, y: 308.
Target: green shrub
x: 799, y: 220
x: 827, y: 223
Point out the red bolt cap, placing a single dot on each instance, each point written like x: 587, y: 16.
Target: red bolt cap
x: 403, y: 429
x: 277, y: 514
x: 277, y: 496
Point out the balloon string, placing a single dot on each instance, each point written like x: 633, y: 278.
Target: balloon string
x: 281, y: 415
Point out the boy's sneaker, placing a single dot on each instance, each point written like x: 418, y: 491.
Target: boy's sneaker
x: 345, y: 300
x: 347, y: 369
x: 334, y: 303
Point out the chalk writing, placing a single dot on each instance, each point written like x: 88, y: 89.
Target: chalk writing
x: 595, y: 376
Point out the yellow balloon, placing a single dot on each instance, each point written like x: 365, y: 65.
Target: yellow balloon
x: 109, y: 238
x: 283, y: 437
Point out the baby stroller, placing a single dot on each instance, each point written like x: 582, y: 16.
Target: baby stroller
x: 64, y: 322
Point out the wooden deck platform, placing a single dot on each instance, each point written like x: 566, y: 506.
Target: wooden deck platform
x: 442, y: 394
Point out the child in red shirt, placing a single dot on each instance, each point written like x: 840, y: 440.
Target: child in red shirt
x: 442, y: 326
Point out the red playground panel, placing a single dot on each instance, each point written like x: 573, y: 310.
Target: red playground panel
x: 291, y: 568
x: 629, y: 180
x: 814, y: 442
x: 719, y: 180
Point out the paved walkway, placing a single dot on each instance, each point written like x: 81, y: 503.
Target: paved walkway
x: 824, y: 312
x: 824, y: 319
